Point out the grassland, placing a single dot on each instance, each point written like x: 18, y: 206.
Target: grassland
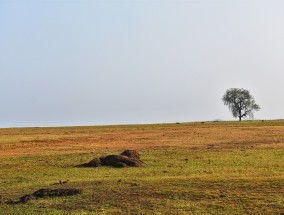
x: 191, y: 168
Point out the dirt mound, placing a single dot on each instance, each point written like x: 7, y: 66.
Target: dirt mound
x: 125, y: 159
x: 121, y: 161
x: 44, y: 193
x: 25, y: 198
x: 131, y: 154
x: 93, y: 163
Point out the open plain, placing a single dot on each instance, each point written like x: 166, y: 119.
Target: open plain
x: 190, y: 168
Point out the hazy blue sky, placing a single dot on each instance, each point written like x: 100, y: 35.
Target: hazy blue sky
x: 67, y: 62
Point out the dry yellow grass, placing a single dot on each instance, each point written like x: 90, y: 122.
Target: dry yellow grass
x: 220, y: 135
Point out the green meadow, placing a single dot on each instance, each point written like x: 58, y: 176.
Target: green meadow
x: 190, y: 168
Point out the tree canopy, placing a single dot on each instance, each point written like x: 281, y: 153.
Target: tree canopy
x: 240, y: 102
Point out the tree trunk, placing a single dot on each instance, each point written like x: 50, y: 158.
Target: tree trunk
x: 240, y: 114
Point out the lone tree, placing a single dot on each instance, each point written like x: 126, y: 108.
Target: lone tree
x: 241, y: 103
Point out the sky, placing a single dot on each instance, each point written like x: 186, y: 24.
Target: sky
x: 100, y: 62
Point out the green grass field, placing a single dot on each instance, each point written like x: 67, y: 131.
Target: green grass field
x: 191, y: 168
